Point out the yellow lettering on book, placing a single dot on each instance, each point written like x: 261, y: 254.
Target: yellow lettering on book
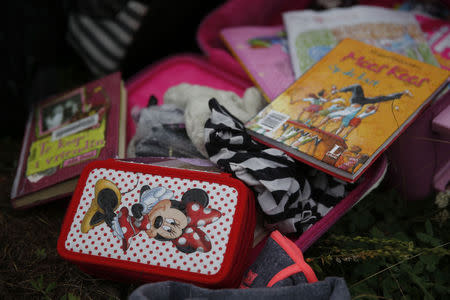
x: 54, y: 153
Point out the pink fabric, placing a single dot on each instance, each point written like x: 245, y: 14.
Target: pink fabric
x: 238, y: 13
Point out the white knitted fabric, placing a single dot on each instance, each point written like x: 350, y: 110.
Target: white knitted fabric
x: 193, y: 99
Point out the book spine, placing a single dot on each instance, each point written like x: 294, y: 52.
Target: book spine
x: 23, y: 154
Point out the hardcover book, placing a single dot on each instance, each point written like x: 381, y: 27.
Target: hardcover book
x: 312, y: 34
x: 63, y: 134
x: 437, y: 33
x: 263, y: 53
x: 345, y: 110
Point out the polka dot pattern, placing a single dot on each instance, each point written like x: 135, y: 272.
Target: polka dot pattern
x: 100, y: 240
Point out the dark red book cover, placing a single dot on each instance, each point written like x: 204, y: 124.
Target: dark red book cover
x: 63, y: 134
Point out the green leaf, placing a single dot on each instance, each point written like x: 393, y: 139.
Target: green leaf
x: 315, y: 266
x: 38, y: 284
x: 376, y: 232
x: 418, y: 267
x: 388, y: 285
x: 430, y: 261
x: 406, y: 268
x: 443, y: 290
x: 50, y: 287
x: 35, y: 284
x: 401, y: 236
x: 361, y: 289
x: 73, y: 297
x: 366, y: 268
x: 428, y: 228
x: 427, y: 239
x: 417, y: 280
x: 431, y: 267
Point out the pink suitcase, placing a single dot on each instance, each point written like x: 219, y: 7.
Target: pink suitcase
x: 419, y: 159
x: 187, y: 68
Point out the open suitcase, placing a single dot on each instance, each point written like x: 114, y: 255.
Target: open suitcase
x: 417, y: 173
x: 219, y: 70
x: 192, y: 69
x: 127, y: 251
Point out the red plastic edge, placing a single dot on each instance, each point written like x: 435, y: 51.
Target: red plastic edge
x: 147, y: 272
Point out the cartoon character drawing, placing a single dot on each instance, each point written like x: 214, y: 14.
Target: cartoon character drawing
x: 370, y: 110
x: 405, y: 45
x: 354, y: 158
x: 343, y: 115
x: 358, y: 97
x: 316, y: 104
x: 156, y: 214
x: 267, y: 41
x: 357, y: 101
x: 338, y: 104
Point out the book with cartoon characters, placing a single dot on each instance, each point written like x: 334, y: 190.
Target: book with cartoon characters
x: 345, y: 110
x: 63, y: 134
x: 311, y: 34
x: 263, y: 53
x: 437, y: 33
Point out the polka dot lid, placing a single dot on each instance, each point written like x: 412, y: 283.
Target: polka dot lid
x: 152, y: 219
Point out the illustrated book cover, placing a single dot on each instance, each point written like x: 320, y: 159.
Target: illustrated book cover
x: 348, y: 108
x: 437, y: 33
x: 263, y: 53
x: 63, y: 134
x: 311, y: 34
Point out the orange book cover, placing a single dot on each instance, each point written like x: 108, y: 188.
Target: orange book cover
x: 348, y: 108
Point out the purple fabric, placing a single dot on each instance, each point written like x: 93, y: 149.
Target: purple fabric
x: 418, y: 154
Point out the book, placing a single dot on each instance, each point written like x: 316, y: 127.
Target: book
x: 437, y: 33
x: 64, y: 133
x: 348, y: 108
x: 262, y: 52
x: 311, y: 34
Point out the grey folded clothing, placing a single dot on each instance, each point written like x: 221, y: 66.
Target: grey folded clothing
x: 278, y: 272
x: 161, y: 132
x: 331, y: 288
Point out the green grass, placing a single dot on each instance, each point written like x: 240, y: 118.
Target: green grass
x: 388, y: 248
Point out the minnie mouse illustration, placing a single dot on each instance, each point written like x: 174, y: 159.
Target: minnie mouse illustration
x: 157, y: 214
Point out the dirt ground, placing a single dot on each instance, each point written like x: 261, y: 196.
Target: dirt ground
x: 30, y: 266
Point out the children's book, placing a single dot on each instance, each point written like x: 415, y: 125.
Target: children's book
x: 63, y: 134
x: 263, y: 53
x: 437, y: 33
x: 348, y: 108
x: 311, y: 34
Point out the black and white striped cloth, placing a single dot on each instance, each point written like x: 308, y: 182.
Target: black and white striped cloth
x: 291, y: 195
x: 102, y: 42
